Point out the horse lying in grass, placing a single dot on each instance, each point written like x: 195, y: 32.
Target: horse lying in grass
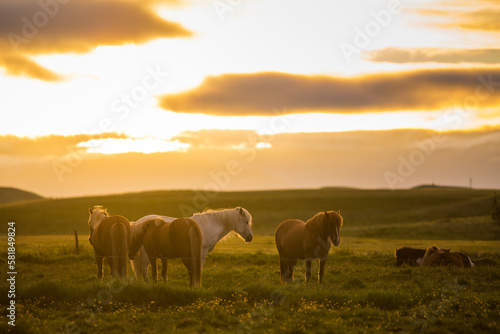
x: 181, y: 238
x: 435, y: 256
x: 110, y: 236
x: 411, y: 256
x: 215, y: 225
x: 296, y: 239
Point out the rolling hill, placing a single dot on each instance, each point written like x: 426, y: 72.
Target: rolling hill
x: 8, y: 195
x: 436, y: 213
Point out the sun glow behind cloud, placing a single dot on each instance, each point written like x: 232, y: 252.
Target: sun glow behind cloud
x: 145, y: 145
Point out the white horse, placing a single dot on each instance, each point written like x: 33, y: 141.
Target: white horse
x: 215, y: 225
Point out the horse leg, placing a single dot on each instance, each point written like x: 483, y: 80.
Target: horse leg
x: 308, y: 269
x: 98, y: 260
x: 291, y: 265
x: 189, y: 266
x: 204, y: 253
x: 321, y: 270
x: 144, y: 272
x: 286, y: 270
x: 164, y: 269
x: 283, y: 270
x: 153, y: 269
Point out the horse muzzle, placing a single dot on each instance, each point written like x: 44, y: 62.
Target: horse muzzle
x: 336, y: 242
x: 249, y: 238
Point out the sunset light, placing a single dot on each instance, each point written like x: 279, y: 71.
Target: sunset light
x: 199, y: 79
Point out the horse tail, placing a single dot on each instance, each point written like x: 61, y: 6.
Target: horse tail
x: 120, y: 244
x: 196, y: 238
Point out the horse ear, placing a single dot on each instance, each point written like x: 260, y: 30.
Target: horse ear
x: 90, y: 211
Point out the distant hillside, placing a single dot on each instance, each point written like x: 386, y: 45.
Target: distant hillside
x: 426, y: 186
x: 438, y: 213
x: 15, y: 195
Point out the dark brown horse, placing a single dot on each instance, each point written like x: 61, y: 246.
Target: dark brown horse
x: 411, y: 256
x: 110, y: 236
x: 306, y: 241
x: 181, y: 238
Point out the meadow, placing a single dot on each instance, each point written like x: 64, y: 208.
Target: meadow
x: 363, y: 290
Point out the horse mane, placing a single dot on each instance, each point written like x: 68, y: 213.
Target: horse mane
x: 317, y: 224
x: 207, y: 211
x: 100, y: 207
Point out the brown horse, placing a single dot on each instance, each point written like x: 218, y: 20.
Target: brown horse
x: 435, y: 256
x: 110, y: 236
x: 181, y: 238
x: 306, y: 241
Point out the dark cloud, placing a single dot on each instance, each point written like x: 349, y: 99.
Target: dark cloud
x: 261, y: 93
x: 434, y: 55
x: 27, y: 27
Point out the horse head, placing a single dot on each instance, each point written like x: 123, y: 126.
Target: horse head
x: 96, y: 215
x: 333, y: 221
x: 243, y: 225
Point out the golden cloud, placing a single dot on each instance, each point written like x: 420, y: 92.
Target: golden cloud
x: 31, y: 27
x: 434, y: 55
x: 262, y: 93
x: 47, y: 146
x: 18, y: 65
x: 357, y: 159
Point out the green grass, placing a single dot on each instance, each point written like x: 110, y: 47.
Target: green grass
x: 363, y: 290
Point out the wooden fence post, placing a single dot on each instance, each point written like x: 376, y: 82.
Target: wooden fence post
x: 77, y: 250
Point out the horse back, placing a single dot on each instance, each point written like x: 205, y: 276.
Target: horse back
x: 290, y: 237
x: 180, y: 237
x: 102, y: 235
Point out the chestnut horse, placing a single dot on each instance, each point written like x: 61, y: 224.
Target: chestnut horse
x: 435, y: 256
x: 181, y: 238
x: 306, y: 241
x: 110, y: 236
x: 215, y: 225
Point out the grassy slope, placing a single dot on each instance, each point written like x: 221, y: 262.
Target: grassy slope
x: 367, y: 213
x: 363, y: 292
x: 8, y: 195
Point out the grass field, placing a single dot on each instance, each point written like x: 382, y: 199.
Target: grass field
x: 363, y: 290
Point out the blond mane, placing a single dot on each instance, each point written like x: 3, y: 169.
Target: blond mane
x: 207, y: 211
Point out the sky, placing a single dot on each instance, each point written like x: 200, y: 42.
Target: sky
x: 113, y: 96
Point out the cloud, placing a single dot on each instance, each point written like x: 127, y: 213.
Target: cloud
x: 47, y: 146
x: 18, y: 65
x: 434, y: 55
x: 262, y: 93
x: 30, y: 27
x: 217, y: 139
x: 471, y: 15
x: 487, y: 20
x: 356, y: 159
